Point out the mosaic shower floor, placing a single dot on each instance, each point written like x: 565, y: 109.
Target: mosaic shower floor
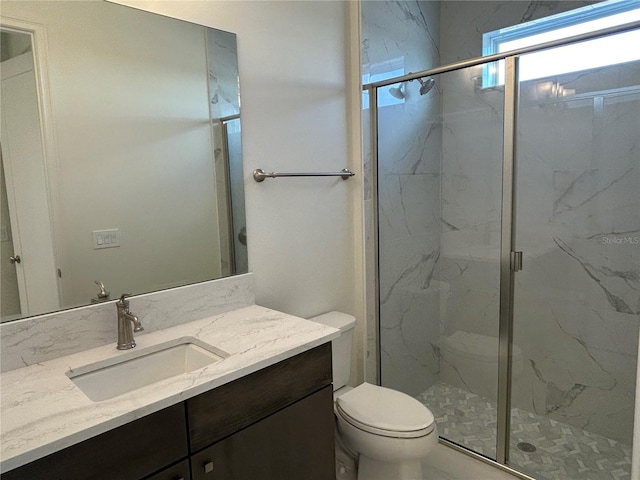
x: 562, y: 452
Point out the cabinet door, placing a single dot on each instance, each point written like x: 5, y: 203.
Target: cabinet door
x: 179, y: 471
x: 294, y: 443
x: 216, y: 414
x: 129, y: 452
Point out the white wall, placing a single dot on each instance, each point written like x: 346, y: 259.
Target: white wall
x: 295, y: 69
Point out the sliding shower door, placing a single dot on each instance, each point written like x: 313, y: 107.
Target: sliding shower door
x: 577, y: 299
x: 439, y: 221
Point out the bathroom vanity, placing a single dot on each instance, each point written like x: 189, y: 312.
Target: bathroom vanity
x: 264, y: 411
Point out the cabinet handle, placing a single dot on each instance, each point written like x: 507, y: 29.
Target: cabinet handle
x: 208, y: 467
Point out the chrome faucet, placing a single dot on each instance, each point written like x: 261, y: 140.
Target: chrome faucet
x: 125, y: 319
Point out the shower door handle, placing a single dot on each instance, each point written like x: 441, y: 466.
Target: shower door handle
x: 516, y: 261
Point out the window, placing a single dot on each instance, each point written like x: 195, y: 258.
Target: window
x: 382, y: 71
x: 600, y: 52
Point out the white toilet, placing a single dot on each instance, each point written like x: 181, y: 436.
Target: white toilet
x: 390, y: 431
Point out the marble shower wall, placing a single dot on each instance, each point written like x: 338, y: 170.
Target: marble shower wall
x: 577, y: 304
x: 424, y: 234
x: 469, y: 265
x: 577, y: 300
x: 404, y: 35
x: 472, y: 160
x: 462, y: 23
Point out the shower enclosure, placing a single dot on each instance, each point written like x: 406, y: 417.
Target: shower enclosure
x: 508, y: 257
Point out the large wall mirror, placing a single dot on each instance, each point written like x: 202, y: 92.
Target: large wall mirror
x: 121, y: 155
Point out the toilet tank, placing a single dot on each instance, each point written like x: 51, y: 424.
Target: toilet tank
x: 341, y: 346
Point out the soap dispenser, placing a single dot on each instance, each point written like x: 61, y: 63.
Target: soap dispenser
x: 103, y: 295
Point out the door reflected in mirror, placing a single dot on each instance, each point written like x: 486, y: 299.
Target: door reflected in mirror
x: 121, y: 155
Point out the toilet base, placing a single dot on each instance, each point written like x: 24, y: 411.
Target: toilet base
x: 370, y: 469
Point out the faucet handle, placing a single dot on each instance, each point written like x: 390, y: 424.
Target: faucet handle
x: 122, y: 300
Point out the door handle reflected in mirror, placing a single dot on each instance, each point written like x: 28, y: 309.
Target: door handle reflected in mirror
x: 15, y: 259
x: 242, y: 236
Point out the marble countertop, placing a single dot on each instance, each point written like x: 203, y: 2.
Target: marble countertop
x: 43, y: 411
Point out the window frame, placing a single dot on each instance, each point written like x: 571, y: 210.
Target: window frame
x: 491, y: 41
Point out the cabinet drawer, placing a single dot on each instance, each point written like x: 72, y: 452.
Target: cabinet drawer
x: 296, y: 442
x: 129, y: 452
x: 217, y: 414
x: 179, y: 471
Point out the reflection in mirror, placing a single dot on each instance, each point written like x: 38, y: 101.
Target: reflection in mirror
x: 121, y: 155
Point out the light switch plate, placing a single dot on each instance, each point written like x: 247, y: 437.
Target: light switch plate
x: 4, y: 233
x: 106, y: 238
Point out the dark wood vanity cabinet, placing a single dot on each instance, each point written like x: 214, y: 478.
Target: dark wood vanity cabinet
x: 132, y: 451
x: 179, y: 471
x: 273, y: 424
x: 294, y: 443
x: 276, y: 423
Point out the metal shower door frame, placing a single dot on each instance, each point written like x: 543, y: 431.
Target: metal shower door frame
x: 507, y: 265
x: 509, y: 259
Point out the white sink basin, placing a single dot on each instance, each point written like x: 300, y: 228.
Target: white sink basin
x: 139, y: 368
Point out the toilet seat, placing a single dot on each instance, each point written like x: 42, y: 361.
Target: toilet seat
x: 385, y: 412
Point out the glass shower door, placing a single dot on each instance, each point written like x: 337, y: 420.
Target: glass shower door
x: 439, y: 222
x: 577, y: 299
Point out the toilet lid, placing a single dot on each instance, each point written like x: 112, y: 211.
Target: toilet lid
x: 386, y: 410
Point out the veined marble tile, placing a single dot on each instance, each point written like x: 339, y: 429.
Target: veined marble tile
x: 44, y: 411
x: 407, y: 365
x: 409, y: 137
x: 577, y: 300
x: 223, y: 73
x: 408, y: 30
x: 409, y: 205
x: 609, y: 194
x: 402, y: 34
x: 561, y: 451
x: 37, y: 339
x: 464, y: 22
x: 574, y: 372
x: 409, y: 316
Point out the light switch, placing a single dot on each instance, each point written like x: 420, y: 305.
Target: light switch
x: 106, y: 238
